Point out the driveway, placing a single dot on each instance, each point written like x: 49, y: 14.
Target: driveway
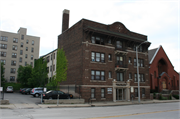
x: 18, y: 98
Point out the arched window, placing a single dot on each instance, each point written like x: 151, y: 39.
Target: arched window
x: 162, y: 66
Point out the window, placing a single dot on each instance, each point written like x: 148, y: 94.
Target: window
x: 97, y: 40
x: 27, y: 41
x: 13, y: 63
x: 109, y: 41
x: 22, y: 37
x: 118, y: 44
x: 32, y: 42
x: 51, y: 56
x: 13, y: 70
x: 130, y: 60
x: 140, y: 49
x: 97, y: 57
x: 3, y: 61
x: 31, y: 57
x: 32, y: 49
x: 3, y: 46
x: 130, y: 75
x: 97, y: 75
x: 143, y: 92
x: 12, y: 78
x: 26, y: 48
x: 14, y: 55
x: 154, y: 74
x: 110, y: 74
x: 4, y: 38
x: 15, y: 40
x: 141, y: 62
x: 50, y: 68
x: 136, y: 92
x: 120, y: 60
x: 25, y: 63
x: 141, y: 78
x: 21, y: 44
x: 21, y: 52
x: 14, y: 47
x: 20, y: 59
x: 110, y: 57
x: 3, y: 54
x: 53, y: 67
x: 102, y: 93
x: 135, y: 63
x: 92, y: 92
x: 47, y: 59
x: 134, y: 47
x: 31, y: 63
x: 26, y: 56
x: 120, y: 76
x: 135, y: 78
x: 54, y: 55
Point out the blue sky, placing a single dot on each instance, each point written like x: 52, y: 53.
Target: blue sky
x: 158, y: 19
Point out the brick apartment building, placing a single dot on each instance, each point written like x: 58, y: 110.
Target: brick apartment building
x: 161, y: 71
x: 102, y: 60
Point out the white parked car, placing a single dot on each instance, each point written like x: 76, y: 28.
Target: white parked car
x: 9, y: 89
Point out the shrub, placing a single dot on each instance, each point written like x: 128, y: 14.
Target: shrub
x: 16, y: 86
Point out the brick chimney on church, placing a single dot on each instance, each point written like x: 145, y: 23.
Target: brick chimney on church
x: 65, y: 20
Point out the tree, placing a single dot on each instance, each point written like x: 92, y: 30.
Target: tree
x: 24, y: 73
x: 2, y: 73
x: 39, y: 73
x: 61, y: 67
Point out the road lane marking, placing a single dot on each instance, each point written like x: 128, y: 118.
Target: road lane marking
x: 133, y: 114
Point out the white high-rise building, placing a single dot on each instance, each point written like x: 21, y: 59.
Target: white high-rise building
x: 17, y: 49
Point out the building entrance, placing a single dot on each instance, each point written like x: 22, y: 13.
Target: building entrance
x: 120, y: 94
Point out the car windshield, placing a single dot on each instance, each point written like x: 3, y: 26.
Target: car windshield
x: 49, y: 91
x: 10, y: 87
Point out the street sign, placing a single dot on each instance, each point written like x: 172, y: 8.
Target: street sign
x: 132, y: 90
x: 45, y: 89
x: 1, y: 88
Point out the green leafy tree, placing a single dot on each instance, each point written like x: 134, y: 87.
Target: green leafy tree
x: 2, y: 74
x: 61, y: 67
x: 24, y: 73
x: 39, y: 73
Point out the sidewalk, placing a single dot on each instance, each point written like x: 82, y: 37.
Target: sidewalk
x: 94, y: 104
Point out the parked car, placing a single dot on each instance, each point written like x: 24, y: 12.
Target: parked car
x: 36, y: 92
x: 22, y: 89
x: 53, y: 94
x: 9, y: 89
x: 27, y: 91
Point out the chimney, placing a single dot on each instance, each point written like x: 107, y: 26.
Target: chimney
x: 65, y: 20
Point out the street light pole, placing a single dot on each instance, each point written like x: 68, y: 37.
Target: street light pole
x: 138, y: 70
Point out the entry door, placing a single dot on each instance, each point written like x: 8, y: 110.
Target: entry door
x: 119, y: 94
x: 164, y: 84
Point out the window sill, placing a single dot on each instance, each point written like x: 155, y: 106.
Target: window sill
x: 98, y: 62
x: 109, y: 44
x: 110, y: 78
x: 97, y: 81
x: 140, y: 82
x: 103, y: 98
x: 130, y: 63
x: 110, y: 61
x: 93, y: 99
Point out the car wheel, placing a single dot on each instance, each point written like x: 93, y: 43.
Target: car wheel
x: 50, y: 98
x: 36, y: 95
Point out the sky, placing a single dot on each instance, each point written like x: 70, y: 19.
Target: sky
x: 158, y: 19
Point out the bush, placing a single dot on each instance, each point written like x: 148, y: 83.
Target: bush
x: 16, y: 86
x: 176, y: 96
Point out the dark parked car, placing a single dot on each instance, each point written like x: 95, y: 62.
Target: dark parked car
x: 27, y: 91
x: 22, y: 89
x: 53, y: 94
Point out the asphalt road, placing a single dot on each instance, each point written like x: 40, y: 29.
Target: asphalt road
x: 18, y: 98
x: 145, y: 111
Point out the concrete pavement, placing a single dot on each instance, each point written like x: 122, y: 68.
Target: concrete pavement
x: 94, y: 104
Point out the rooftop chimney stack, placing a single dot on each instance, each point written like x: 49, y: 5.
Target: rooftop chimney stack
x: 65, y: 20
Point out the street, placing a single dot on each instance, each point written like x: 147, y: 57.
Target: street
x: 145, y: 111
